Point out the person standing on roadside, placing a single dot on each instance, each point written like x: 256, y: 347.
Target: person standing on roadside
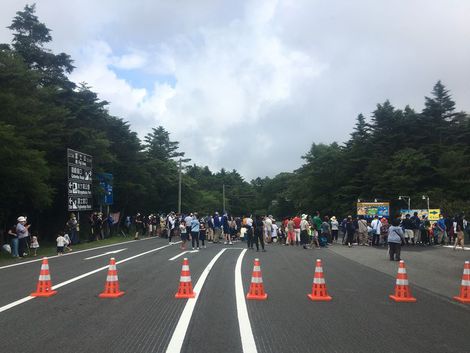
x: 362, y: 231
x: 195, y: 231
x: 183, y: 234
x: 304, y: 226
x: 249, y: 232
x: 376, y: 224
x: 334, y: 229
x: 13, y: 241
x: 442, y: 230
x: 202, y: 233
x: 22, y: 231
x: 226, y: 229
x: 72, y: 228
x: 325, y: 232
x: 258, y: 230
x: 217, y: 227
x: 350, y: 231
x: 395, y: 238
x: 297, y: 221
x: 415, y: 224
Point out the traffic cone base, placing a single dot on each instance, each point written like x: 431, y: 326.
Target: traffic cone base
x: 185, y: 288
x: 111, y: 288
x: 325, y: 298
x: 464, y: 296
x: 44, y: 286
x: 462, y: 300
x: 46, y: 294
x: 319, y: 293
x: 403, y: 300
x: 111, y: 295
x: 402, y: 288
x: 257, y: 287
x: 257, y: 296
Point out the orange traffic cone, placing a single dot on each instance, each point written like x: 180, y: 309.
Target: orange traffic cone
x: 44, y: 287
x: 319, y: 292
x: 111, y: 288
x: 185, y: 289
x: 402, y: 289
x: 256, y: 286
x: 464, y: 296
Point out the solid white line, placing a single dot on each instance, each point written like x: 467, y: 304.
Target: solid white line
x: 74, y: 252
x: 176, y: 342
x: 107, y: 253
x: 184, y: 252
x: 246, y: 333
x: 25, y: 299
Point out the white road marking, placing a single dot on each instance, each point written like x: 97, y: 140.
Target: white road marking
x: 73, y: 253
x: 458, y: 247
x: 106, y: 253
x: 179, y: 333
x: 25, y: 299
x: 184, y: 252
x: 246, y: 333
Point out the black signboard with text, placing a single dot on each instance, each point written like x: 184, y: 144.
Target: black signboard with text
x: 79, y: 171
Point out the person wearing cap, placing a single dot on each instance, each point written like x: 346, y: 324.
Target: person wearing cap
x: 334, y: 229
x: 304, y: 226
x: 22, y: 231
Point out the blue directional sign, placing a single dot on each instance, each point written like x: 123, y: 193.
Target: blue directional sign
x: 106, y: 180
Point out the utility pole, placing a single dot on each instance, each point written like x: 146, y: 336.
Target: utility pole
x: 179, y: 188
x: 223, y: 197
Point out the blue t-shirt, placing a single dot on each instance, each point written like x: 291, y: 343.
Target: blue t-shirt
x: 441, y: 223
x: 194, y: 225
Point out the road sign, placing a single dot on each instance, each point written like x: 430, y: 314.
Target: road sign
x: 106, y: 180
x: 79, y: 171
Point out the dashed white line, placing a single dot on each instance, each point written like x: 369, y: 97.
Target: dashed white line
x: 25, y: 299
x: 73, y: 253
x: 246, y: 333
x: 176, y: 342
x: 181, y: 254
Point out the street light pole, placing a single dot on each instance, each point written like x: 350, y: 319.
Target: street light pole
x: 179, y: 188
x: 223, y: 197
x: 406, y: 198
x: 425, y: 197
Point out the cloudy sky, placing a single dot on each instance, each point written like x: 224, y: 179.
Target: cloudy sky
x: 250, y: 84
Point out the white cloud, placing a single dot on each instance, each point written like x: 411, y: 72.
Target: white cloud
x: 250, y: 84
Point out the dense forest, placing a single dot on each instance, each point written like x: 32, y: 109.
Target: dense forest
x: 42, y: 113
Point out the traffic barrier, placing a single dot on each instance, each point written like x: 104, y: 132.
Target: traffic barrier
x: 464, y: 296
x: 185, y: 289
x: 319, y: 292
x: 256, y: 287
x: 111, y: 288
x: 44, y: 286
x: 402, y: 288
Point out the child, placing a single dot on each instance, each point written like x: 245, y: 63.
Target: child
x: 459, y: 239
x: 67, y: 242
x: 184, y: 234
x: 202, y: 233
x: 34, y: 244
x: 60, y: 244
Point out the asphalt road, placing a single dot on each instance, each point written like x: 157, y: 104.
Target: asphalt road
x: 360, y: 318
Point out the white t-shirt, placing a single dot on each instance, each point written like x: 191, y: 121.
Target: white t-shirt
x: 376, y: 225
x: 268, y: 224
x: 274, y: 230
x: 60, y: 241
